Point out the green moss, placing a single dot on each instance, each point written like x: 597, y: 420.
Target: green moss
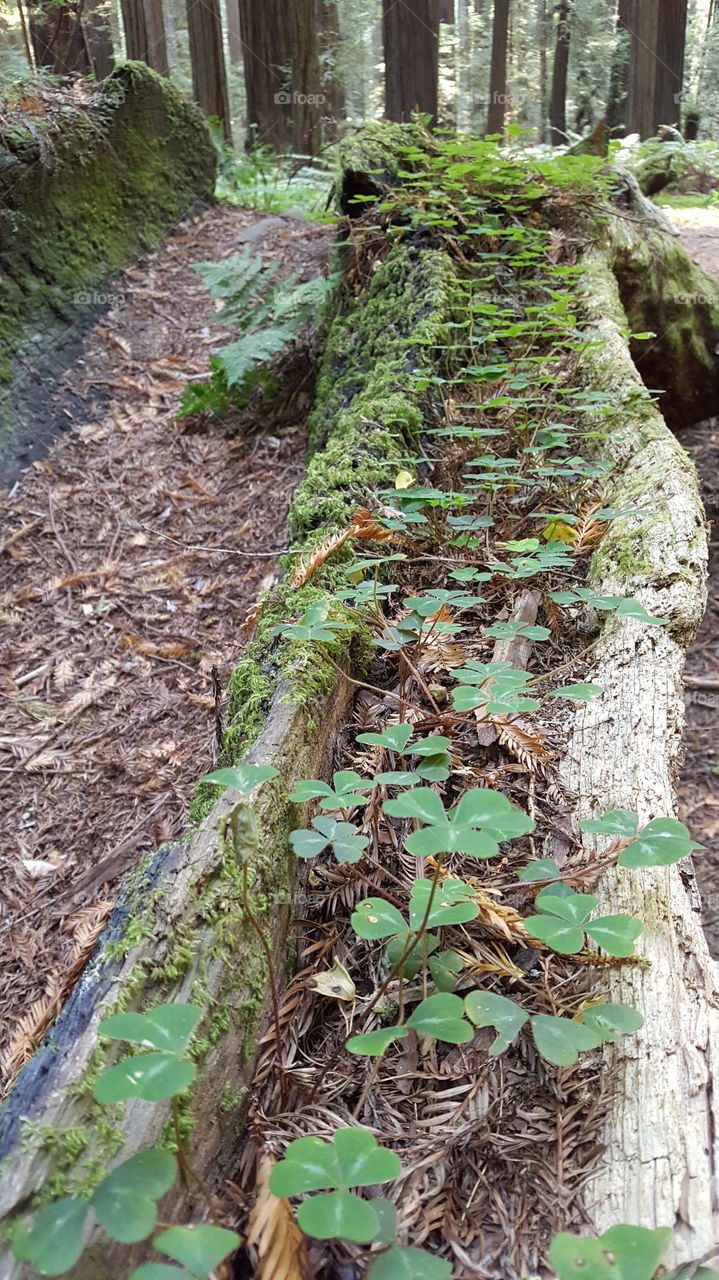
x: 86, y: 190
x: 366, y: 415
x: 64, y: 1145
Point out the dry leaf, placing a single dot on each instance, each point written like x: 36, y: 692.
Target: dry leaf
x: 335, y: 982
x: 281, y: 1246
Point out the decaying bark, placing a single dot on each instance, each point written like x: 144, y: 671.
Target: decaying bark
x: 660, y: 1157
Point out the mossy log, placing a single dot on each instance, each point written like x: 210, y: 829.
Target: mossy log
x: 181, y: 932
x: 89, y: 177
x: 665, y: 294
x: 660, y: 1157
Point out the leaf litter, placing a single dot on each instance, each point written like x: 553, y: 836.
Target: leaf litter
x: 129, y: 557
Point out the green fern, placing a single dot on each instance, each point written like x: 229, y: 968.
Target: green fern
x: 269, y: 315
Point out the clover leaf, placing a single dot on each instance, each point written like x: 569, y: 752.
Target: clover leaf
x: 345, y: 794
x: 347, y: 843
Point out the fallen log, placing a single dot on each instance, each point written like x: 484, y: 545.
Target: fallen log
x: 658, y: 1166
x: 654, y: 1169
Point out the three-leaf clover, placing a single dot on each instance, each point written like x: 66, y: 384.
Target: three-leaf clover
x: 660, y: 843
x: 244, y: 778
x: 347, y: 843
x: 315, y: 624
x: 563, y: 920
x: 473, y: 826
x: 125, y: 1202
x: 353, y: 1158
x: 622, y: 1253
x: 346, y: 793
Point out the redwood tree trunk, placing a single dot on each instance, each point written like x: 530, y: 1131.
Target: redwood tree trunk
x: 266, y: 54
x: 57, y: 39
x: 305, y: 82
x: 558, y: 101
x: 619, y: 80
x: 145, y: 33
x: 411, y: 57
x: 98, y: 36
x: 234, y: 39
x: 656, y: 65
x: 209, y: 78
x: 333, y: 109
x: 498, y: 74
x: 671, y: 47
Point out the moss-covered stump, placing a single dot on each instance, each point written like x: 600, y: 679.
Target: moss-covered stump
x: 89, y: 176
x: 182, y: 932
x: 658, y: 1167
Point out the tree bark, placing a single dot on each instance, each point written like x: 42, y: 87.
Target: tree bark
x: 57, y: 39
x: 144, y: 28
x: 333, y: 109
x: 305, y: 86
x: 656, y: 64
x: 616, y: 115
x: 543, y: 29
x: 558, y: 100
x: 266, y: 55
x: 234, y: 38
x: 98, y: 35
x: 660, y: 1147
x: 498, y: 73
x: 209, y: 77
x: 411, y: 54
x: 671, y: 47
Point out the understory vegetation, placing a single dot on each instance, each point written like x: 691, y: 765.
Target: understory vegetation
x: 448, y: 1013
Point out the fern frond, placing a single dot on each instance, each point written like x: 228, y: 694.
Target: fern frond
x: 238, y: 358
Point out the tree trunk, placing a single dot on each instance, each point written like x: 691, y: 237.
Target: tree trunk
x: 446, y: 12
x: 266, y: 55
x: 659, y: 1142
x: 209, y: 77
x: 57, y: 39
x: 234, y: 38
x: 498, y: 74
x: 558, y: 100
x: 305, y: 85
x: 616, y: 116
x: 671, y: 47
x: 144, y: 28
x: 411, y: 55
x: 98, y: 35
x: 543, y: 40
x: 656, y: 65
x: 333, y: 109
x: 464, y: 68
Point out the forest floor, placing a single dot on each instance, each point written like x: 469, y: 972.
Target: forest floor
x: 131, y: 555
